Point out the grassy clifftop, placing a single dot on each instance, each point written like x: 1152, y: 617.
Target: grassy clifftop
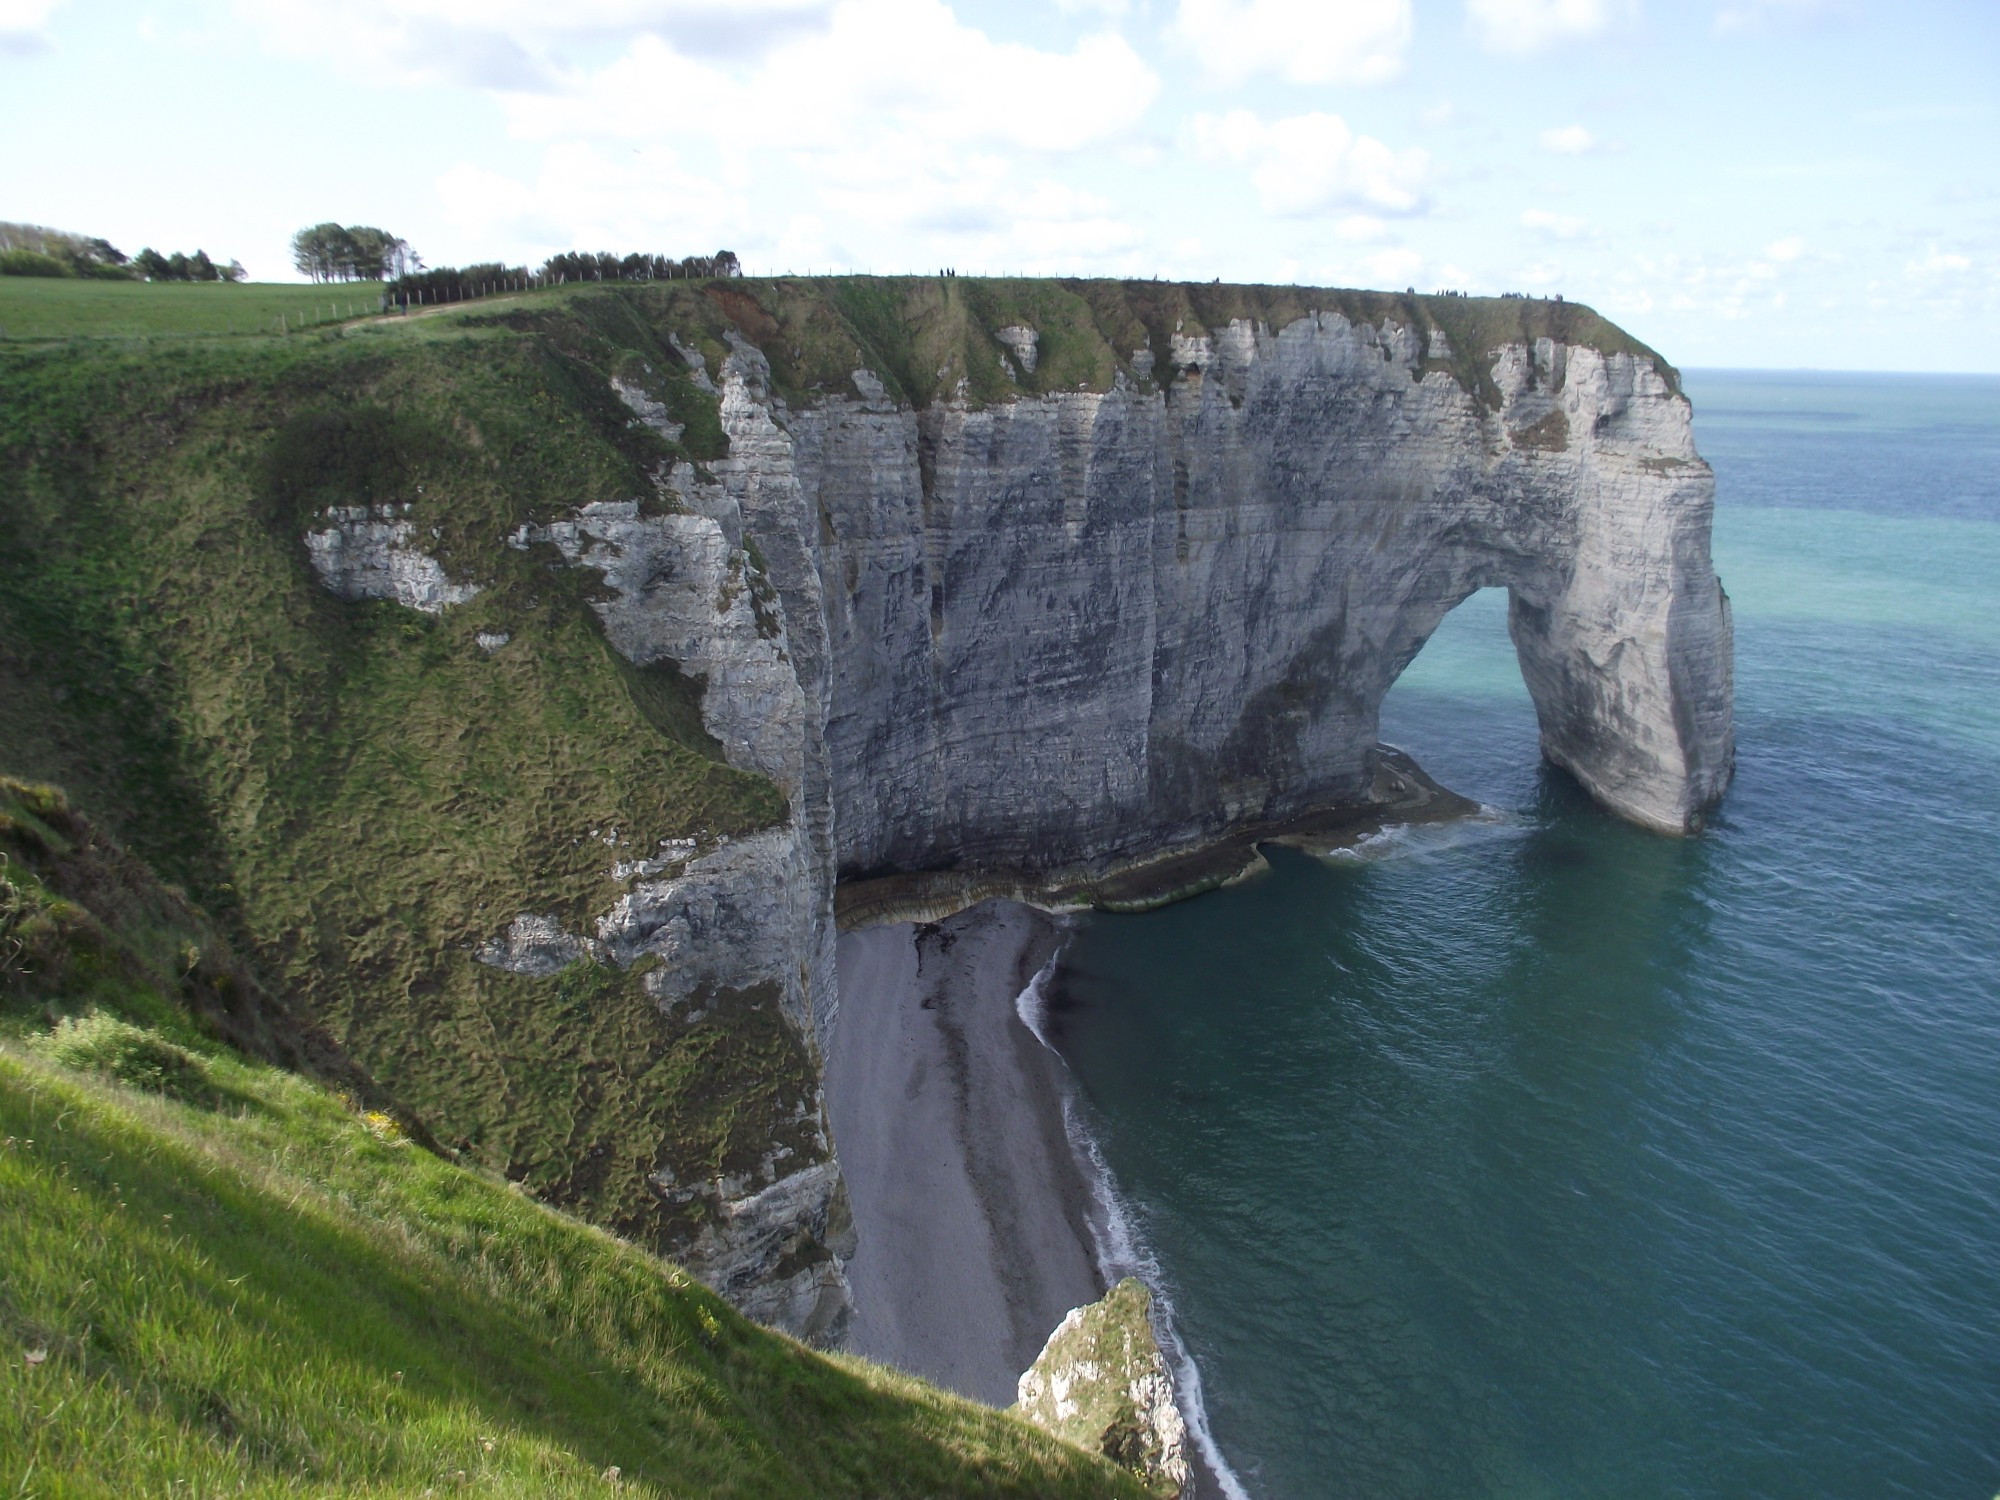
x: 924, y: 335
x: 220, y: 1276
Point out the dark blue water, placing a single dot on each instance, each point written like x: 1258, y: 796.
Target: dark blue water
x: 1544, y: 1157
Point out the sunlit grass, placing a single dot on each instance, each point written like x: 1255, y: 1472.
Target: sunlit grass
x: 278, y: 1294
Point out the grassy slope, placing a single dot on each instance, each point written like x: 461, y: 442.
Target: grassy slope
x: 276, y: 1296
x: 221, y: 1276
x: 356, y: 794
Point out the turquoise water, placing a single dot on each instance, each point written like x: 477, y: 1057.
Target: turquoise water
x: 1548, y: 1158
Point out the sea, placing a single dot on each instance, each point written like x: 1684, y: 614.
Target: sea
x: 1537, y: 1155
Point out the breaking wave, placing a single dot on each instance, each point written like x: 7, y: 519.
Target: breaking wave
x: 1404, y: 840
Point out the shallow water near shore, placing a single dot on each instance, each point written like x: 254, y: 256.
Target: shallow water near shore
x: 1541, y: 1156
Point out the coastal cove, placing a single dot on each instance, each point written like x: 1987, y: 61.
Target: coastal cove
x: 1536, y: 1154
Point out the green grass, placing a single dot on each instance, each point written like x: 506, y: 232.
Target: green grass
x: 217, y: 1275
x: 237, y: 1283
x: 924, y: 335
x: 35, y: 308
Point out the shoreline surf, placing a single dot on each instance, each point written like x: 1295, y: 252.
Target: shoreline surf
x: 984, y: 1209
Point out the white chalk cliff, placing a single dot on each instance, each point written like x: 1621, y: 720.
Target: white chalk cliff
x: 1088, y: 625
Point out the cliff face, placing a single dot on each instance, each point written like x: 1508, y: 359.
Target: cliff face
x: 1051, y: 633
x: 1081, y: 626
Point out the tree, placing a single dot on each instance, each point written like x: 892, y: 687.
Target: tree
x: 401, y: 260
x: 353, y: 252
x: 321, y: 250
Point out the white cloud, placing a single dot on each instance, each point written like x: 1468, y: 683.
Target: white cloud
x: 1310, y: 162
x: 1555, y: 226
x: 24, y: 25
x: 1936, y: 262
x: 1361, y: 228
x: 1763, y: 15
x: 920, y: 206
x: 1568, y: 140
x: 893, y: 132
x: 1523, y: 26
x: 1387, y: 267
x: 1790, y: 248
x: 584, y: 199
x: 518, y: 43
x: 883, y: 67
x: 1302, y: 41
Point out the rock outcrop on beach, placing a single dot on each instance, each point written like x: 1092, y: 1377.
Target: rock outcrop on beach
x: 1101, y: 1382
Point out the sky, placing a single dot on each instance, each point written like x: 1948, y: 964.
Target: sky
x: 1760, y: 183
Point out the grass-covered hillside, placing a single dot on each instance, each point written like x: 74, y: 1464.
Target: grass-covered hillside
x: 49, y: 308
x: 353, y: 795
x: 356, y: 793
x: 220, y: 1277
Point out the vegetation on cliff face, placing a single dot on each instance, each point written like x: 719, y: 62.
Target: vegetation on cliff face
x: 1102, y: 1383
x: 932, y: 338
x: 356, y: 794
x: 220, y: 1276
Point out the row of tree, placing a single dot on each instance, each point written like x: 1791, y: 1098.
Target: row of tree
x: 154, y: 266
x: 361, y: 252
x: 36, y: 250
x: 420, y: 288
x: 352, y: 252
x: 604, y: 266
x: 458, y: 283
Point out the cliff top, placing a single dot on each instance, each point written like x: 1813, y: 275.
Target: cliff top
x: 920, y: 334
x: 923, y: 335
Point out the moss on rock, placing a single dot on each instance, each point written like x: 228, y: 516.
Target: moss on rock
x: 1102, y: 1384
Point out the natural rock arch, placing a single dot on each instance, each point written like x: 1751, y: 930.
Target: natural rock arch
x: 1077, y: 628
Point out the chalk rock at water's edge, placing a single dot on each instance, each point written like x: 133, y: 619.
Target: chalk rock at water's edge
x: 1102, y: 1383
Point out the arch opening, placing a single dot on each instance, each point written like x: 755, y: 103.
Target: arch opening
x: 1461, y: 707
